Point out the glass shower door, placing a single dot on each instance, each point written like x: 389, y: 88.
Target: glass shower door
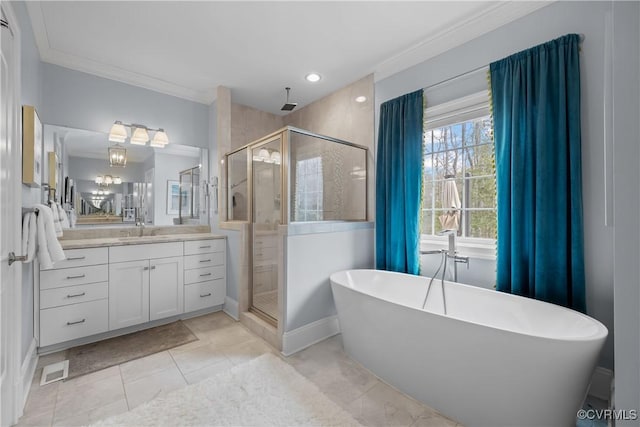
x: 267, y: 216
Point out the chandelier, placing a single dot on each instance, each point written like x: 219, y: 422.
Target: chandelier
x: 139, y: 134
x: 117, y: 156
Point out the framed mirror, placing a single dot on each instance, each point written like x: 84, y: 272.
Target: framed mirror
x: 119, y: 184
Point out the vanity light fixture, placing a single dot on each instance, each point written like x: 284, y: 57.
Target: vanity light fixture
x: 275, y: 157
x: 160, y: 139
x: 268, y: 156
x: 107, y: 180
x: 139, y: 134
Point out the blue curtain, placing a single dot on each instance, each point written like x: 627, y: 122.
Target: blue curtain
x: 399, y: 184
x: 536, y: 113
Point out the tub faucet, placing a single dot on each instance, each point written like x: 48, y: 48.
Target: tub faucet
x: 452, y: 241
x: 453, y: 253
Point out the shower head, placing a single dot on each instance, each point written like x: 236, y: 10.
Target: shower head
x: 288, y: 106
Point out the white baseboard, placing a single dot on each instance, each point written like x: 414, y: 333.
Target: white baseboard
x: 601, y: 383
x: 231, y: 307
x: 27, y: 370
x: 307, y: 335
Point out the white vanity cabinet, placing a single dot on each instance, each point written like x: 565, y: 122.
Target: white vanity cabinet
x: 204, y: 274
x: 148, y: 286
x: 166, y: 288
x: 128, y: 293
x: 99, y: 290
x: 73, y: 297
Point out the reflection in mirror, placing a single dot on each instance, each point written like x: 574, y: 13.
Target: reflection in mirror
x: 103, y: 193
x: 328, y: 180
x: 237, y: 207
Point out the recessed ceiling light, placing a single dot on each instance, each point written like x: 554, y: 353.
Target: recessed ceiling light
x: 313, y: 77
x: 361, y: 98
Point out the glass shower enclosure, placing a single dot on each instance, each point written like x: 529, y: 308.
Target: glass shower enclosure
x: 289, y: 177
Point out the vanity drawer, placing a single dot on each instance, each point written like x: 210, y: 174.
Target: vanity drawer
x: 265, y: 254
x: 194, y: 247
x: 73, y: 294
x: 148, y: 251
x: 206, y: 294
x: 73, y: 276
x: 73, y: 321
x: 204, y: 274
x: 82, y: 257
x: 203, y: 260
x: 265, y: 242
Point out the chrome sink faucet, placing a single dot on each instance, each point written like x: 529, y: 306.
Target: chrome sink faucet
x: 140, y: 225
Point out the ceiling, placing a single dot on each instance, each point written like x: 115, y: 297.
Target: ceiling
x: 187, y: 49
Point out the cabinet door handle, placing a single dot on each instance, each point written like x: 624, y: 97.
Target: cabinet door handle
x: 205, y: 295
x: 153, y: 267
x: 204, y: 247
x: 76, y: 277
x: 76, y: 258
x: 76, y: 322
x: 76, y: 295
x: 205, y: 260
x: 145, y: 268
x: 205, y: 274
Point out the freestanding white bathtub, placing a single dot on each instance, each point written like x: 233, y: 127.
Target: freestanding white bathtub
x: 494, y: 360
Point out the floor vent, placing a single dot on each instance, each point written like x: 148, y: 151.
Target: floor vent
x: 55, y: 372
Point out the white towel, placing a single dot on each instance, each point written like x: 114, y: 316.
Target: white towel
x: 64, y: 219
x: 450, y: 220
x: 29, y: 242
x: 72, y: 217
x: 57, y: 223
x: 49, y: 249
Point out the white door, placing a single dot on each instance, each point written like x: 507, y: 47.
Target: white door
x: 166, y: 290
x: 128, y: 294
x: 10, y: 280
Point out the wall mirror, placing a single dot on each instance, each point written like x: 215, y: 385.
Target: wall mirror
x: 129, y: 183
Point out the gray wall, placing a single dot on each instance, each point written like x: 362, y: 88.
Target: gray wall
x: 550, y: 22
x: 31, y: 94
x: 626, y: 115
x: 84, y: 101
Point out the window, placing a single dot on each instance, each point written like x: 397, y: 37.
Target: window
x: 459, y: 178
x: 308, y: 192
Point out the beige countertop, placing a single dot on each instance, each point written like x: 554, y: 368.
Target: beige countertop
x: 133, y: 240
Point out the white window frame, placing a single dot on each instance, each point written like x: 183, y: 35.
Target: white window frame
x: 320, y: 207
x: 456, y: 111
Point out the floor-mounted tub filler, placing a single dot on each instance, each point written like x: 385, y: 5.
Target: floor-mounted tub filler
x: 494, y: 360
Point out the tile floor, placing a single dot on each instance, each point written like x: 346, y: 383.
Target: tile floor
x: 223, y: 343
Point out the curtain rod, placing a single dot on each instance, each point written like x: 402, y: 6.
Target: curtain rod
x: 466, y: 73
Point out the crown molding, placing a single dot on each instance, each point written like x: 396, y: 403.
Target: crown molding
x: 466, y: 30
x: 63, y: 59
